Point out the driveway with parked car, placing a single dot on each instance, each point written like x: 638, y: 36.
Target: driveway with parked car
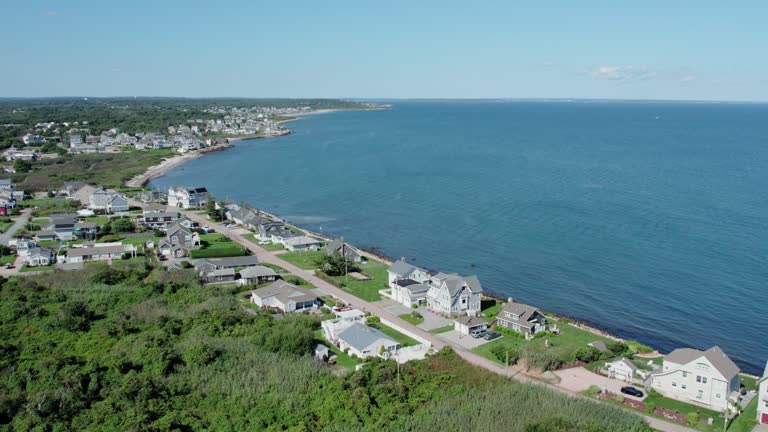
x: 579, y: 379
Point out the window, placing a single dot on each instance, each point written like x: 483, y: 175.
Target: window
x: 685, y: 374
x: 698, y: 378
x: 717, y: 395
x: 674, y: 384
x: 700, y: 395
x: 704, y: 380
x: 684, y: 387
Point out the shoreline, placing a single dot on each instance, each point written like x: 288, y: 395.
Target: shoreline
x: 166, y: 165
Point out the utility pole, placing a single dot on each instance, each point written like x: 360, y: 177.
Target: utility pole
x: 507, y: 359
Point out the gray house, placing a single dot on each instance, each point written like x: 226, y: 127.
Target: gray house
x: 521, y: 318
x: 217, y: 276
x: 338, y: 246
x: 257, y: 275
x: 40, y: 256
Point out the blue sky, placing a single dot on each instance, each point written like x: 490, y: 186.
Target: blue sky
x: 699, y: 50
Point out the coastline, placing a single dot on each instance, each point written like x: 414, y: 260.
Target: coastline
x: 166, y: 165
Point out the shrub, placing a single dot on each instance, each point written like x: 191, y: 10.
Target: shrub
x: 593, y: 390
x: 692, y: 418
x: 373, y: 320
x: 544, y: 361
x: 617, y: 347
x: 501, y: 354
x: 651, y: 407
x: 200, y: 354
x: 620, y: 398
x: 588, y: 354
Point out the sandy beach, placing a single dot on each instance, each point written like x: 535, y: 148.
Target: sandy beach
x: 170, y: 163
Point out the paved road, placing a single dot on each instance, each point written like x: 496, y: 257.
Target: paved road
x: 21, y: 220
x: 472, y: 358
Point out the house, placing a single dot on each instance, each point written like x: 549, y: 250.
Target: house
x: 453, y: 294
x: 338, y: 246
x: 23, y: 245
x: 621, y: 369
x: 109, y: 202
x: 257, y: 275
x: 187, y: 197
x: 62, y: 225
x: 236, y: 263
x: 521, y: 318
x: 151, y: 196
x: 275, y: 231
x: 344, y: 318
x: 762, y: 395
x: 101, y: 252
x: 707, y: 378
x: 45, y: 235
x: 466, y: 324
x: 362, y: 341
x: 246, y: 217
x: 70, y: 188
x: 303, y: 244
x: 322, y: 353
x: 7, y: 185
x: 408, y: 284
x: 180, y: 235
x: 40, y: 256
x: 165, y: 248
x: 85, y: 230
x: 159, y: 219
x: 217, y: 276
x: 284, y: 297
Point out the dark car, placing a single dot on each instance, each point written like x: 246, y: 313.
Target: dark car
x: 491, y: 335
x: 632, y: 391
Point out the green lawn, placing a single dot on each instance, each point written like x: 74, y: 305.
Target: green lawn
x: 328, y: 301
x: 7, y: 259
x: 98, y: 220
x: 442, y: 329
x: 270, y: 246
x: 304, y: 260
x: 297, y: 281
x: 404, y: 340
x: 749, y: 382
x: 4, y: 226
x: 342, y: 359
x: 411, y: 319
x: 276, y: 268
x: 489, y: 309
x: 26, y: 268
x: 217, y: 245
x: 365, y: 289
x: 684, y: 408
x: 747, y: 420
x: 564, y: 345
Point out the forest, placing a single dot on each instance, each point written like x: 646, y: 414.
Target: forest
x: 133, y: 348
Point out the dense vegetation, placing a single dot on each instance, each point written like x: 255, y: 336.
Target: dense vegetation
x: 130, y: 348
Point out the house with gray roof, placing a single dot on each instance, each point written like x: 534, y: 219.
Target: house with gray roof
x: 621, y: 369
x: 338, y: 246
x: 466, y: 324
x: 219, y: 276
x: 303, y: 243
x: 452, y: 294
x: 284, y: 297
x: 108, y: 201
x: 257, y: 275
x: 706, y: 378
x: 40, y: 256
x: 100, y: 252
x: 408, y: 284
x: 521, y: 318
x: 159, y: 219
x: 240, y: 262
x: 362, y: 341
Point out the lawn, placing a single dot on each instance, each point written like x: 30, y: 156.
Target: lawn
x: 747, y: 420
x: 4, y: 226
x: 98, y: 220
x: 217, y: 245
x: 297, y: 281
x: 563, y: 345
x: 404, y: 340
x: 364, y: 289
x: 749, y: 382
x: 328, y: 301
x: 342, y: 359
x: 489, y: 308
x: 415, y: 320
x: 7, y: 259
x: 25, y: 268
x: 684, y: 408
x: 304, y: 260
x: 270, y: 246
x: 276, y: 268
x: 439, y: 330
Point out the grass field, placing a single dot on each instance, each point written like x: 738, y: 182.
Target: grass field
x: 563, y: 345
x: 747, y: 420
x: 270, y: 247
x: 411, y: 319
x: 684, y: 408
x: 25, y: 268
x: 304, y: 260
x: 365, y: 289
x: 342, y: 359
x: 7, y: 259
x: 489, y: 309
x: 217, y: 245
x: 404, y: 340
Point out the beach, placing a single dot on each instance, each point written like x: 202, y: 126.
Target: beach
x: 171, y: 163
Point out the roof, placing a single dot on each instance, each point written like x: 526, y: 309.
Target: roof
x: 45, y: 233
x: 402, y: 268
x: 241, y: 261
x: 524, y: 311
x: 284, y: 292
x: 418, y: 288
x: 222, y: 272
x: 599, y: 345
x: 454, y: 283
x: 627, y: 363
x: 360, y: 336
x: 351, y: 313
x: 96, y: 250
x: 257, y: 271
x: 40, y: 251
x: 85, y: 225
x: 301, y: 240
x: 338, y: 245
x: 471, y: 321
x: 714, y: 355
x: 160, y: 214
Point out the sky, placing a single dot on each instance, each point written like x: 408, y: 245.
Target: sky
x: 681, y: 50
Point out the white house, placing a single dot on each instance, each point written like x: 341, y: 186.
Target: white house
x: 256, y: 275
x: 363, y: 341
x: 453, y: 294
x: 621, y: 369
x: 466, y: 324
x: 39, y: 256
x: 408, y: 284
x: 762, y: 395
x: 707, y: 378
x: 303, y: 243
x: 108, y: 201
x: 344, y: 319
x: 99, y: 253
x: 23, y: 246
x: 284, y: 296
x: 187, y: 197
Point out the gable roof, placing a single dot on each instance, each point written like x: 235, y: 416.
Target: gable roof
x: 338, y: 245
x: 599, y: 345
x: 360, y: 336
x: 471, y: 321
x: 627, y: 363
x: 302, y: 240
x: 454, y: 283
x: 284, y: 292
x: 257, y: 271
x: 714, y: 355
x: 524, y: 311
x: 84, y: 251
x: 402, y: 268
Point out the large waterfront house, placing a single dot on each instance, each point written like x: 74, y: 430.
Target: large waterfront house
x: 448, y: 294
x: 109, y: 202
x: 275, y: 231
x: 706, y: 378
x: 762, y: 398
x: 245, y: 217
x: 521, y: 318
x: 452, y: 294
x: 159, y: 219
x: 187, y: 197
x: 338, y: 246
x: 285, y: 297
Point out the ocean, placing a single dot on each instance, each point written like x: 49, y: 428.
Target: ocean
x: 647, y: 219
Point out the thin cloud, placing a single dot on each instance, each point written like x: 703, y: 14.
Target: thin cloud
x: 623, y: 73
x: 688, y: 78
x: 52, y: 13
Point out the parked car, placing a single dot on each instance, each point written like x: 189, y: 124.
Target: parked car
x: 476, y: 333
x: 491, y: 335
x: 632, y: 391
x: 10, y: 266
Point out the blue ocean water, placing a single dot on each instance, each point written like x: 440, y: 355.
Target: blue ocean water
x: 647, y: 219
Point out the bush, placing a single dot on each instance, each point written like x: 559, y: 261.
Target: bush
x: 617, y: 348
x: 200, y: 354
x: 544, y: 361
x: 373, y: 320
x: 593, y: 390
x: 620, y: 398
x: 651, y: 407
x: 501, y: 354
x: 588, y: 354
x: 692, y: 418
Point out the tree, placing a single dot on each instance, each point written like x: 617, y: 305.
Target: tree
x: 337, y: 265
x: 588, y: 354
x: 22, y: 166
x: 617, y: 347
x: 122, y: 225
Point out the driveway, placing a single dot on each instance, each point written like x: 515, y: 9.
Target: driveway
x: 579, y: 379
x: 468, y: 342
x: 433, y: 320
x: 393, y: 307
x: 21, y: 220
